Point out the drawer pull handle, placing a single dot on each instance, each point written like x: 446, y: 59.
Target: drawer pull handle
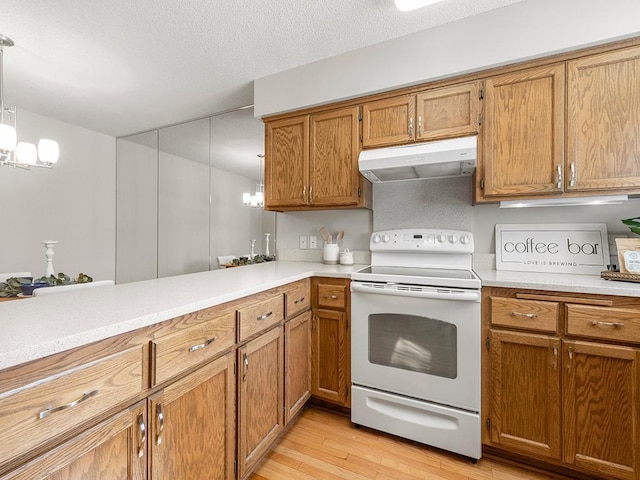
x: 85, y: 396
x: 528, y: 315
x: 264, y: 316
x: 331, y: 297
x: 143, y: 436
x: 160, y: 420
x: 607, y: 324
x: 300, y: 300
x: 202, y: 345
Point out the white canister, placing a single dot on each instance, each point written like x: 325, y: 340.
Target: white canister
x: 330, y: 253
x: 346, y: 257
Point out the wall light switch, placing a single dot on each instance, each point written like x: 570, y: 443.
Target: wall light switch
x: 313, y: 241
x: 303, y: 242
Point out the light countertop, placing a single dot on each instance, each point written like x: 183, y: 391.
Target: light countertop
x: 36, y: 327
x: 557, y: 282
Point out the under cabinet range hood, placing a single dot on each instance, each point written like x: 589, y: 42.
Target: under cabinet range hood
x: 442, y: 159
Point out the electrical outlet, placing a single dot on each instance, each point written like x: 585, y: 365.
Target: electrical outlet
x: 303, y: 242
x: 313, y: 241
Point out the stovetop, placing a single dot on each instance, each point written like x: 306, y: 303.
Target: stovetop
x: 421, y: 256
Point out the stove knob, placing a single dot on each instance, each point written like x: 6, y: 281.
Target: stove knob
x: 464, y: 239
x: 386, y: 238
x: 441, y: 238
x: 453, y: 238
x: 376, y: 238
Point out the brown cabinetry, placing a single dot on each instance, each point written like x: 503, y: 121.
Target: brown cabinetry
x: 330, y: 344
x: 603, y: 121
x: 194, y: 418
x: 312, y: 162
x: 430, y: 115
x: 260, y: 397
x: 115, y: 449
x: 523, y: 137
x: 561, y: 379
x: 297, y: 364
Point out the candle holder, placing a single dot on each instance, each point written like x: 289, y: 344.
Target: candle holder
x: 48, y: 253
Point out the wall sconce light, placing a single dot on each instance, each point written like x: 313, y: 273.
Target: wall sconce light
x: 20, y: 154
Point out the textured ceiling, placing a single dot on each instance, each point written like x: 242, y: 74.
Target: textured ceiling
x: 125, y: 66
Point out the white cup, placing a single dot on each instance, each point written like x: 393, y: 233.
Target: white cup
x: 330, y: 253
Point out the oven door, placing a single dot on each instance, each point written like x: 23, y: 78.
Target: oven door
x: 421, y: 342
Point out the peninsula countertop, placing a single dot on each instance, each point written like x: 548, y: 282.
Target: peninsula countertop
x: 36, y: 327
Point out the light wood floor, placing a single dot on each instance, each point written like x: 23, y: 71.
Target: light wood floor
x: 325, y: 446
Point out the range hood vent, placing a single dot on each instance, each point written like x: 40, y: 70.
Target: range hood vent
x: 442, y: 159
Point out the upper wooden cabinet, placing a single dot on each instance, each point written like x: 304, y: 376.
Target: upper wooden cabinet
x: 523, y: 134
x: 430, y: 115
x: 312, y: 162
x: 603, y: 124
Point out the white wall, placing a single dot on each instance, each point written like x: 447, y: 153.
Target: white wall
x: 520, y: 31
x: 73, y: 203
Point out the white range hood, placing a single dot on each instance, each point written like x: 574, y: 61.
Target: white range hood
x: 442, y: 159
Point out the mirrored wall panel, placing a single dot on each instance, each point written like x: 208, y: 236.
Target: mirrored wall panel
x: 180, y: 194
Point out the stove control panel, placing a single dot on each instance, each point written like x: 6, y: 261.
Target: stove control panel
x: 422, y: 240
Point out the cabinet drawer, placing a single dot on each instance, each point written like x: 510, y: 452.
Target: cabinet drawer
x: 525, y: 314
x: 332, y: 296
x: 607, y: 323
x: 298, y: 299
x: 35, y: 413
x: 182, y: 350
x: 259, y: 316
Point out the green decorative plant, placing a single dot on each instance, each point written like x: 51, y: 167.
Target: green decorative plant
x: 12, y: 286
x: 633, y: 224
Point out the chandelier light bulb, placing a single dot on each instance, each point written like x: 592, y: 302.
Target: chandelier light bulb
x: 8, y: 138
x: 407, y: 5
x: 26, y: 153
x: 48, y: 151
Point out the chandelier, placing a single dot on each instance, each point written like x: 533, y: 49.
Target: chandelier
x: 257, y: 199
x: 20, y: 154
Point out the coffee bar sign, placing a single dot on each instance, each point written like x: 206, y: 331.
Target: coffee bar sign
x: 553, y: 248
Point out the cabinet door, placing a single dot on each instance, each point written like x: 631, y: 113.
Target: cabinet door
x: 603, y: 151
x: 192, y: 425
x: 113, y: 450
x: 287, y: 162
x: 389, y: 121
x: 524, y: 133
x: 334, y: 158
x: 601, y: 416
x: 330, y: 357
x: 525, y: 393
x: 260, y: 399
x: 297, y: 364
x: 448, y: 112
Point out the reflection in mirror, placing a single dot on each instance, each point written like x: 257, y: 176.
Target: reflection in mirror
x: 179, y: 197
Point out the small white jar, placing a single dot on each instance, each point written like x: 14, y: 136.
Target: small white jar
x: 346, y: 257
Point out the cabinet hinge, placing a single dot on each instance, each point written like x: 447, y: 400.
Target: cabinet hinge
x: 235, y: 370
x: 479, y: 119
x: 487, y: 343
x: 481, y: 94
x: 482, y: 184
x: 360, y: 116
x: 359, y: 191
x: 488, y: 424
x: 235, y: 466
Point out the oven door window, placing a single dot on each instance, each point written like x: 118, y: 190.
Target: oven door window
x: 414, y: 343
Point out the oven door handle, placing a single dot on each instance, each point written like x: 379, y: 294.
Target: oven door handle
x: 437, y: 294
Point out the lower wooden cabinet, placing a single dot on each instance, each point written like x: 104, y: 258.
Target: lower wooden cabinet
x: 192, y: 425
x: 331, y: 341
x: 112, y: 450
x: 260, y: 397
x: 525, y: 392
x: 602, y: 408
x: 561, y: 380
x: 297, y: 364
